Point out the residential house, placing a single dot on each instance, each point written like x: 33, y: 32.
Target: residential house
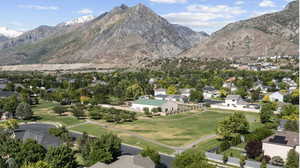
x: 128, y: 161
x: 166, y: 107
x: 292, y: 85
x: 276, y: 97
x: 235, y: 102
x: 160, y: 91
x: 281, y: 143
x: 185, y: 92
x: 229, y: 85
x: 210, y: 92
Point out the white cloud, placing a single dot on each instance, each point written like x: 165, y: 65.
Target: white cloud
x: 169, y: 1
x: 39, y: 7
x: 85, y: 11
x: 267, y: 3
x: 239, y: 2
x: 208, y: 18
x: 220, y: 9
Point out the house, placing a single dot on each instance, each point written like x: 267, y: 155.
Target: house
x: 210, y: 92
x: 185, y: 92
x: 276, y: 97
x: 6, y: 116
x: 166, y: 107
x: 281, y: 143
x: 160, y: 91
x: 235, y: 102
x: 128, y: 161
x: 229, y: 85
x: 291, y: 83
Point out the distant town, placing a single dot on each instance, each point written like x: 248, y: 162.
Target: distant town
x: 227, y: 117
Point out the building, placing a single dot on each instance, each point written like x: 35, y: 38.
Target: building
x: 281, y: 143
x: 210, y: 92
x: 276, y: 97
x: 166, y: 107
x: 185, y: 92
x: 128, y: 161
x: 160, y: 92
x: 176, y: 98
x: 235, y: 102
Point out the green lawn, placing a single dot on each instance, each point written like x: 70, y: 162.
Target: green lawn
x: 96, y: 130
x: 182, y: 129
x: 233, y: 153
x: 43, y: 112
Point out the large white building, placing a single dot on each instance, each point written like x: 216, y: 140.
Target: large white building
x: 235, y: 102
x: 281, y: 143
x: 166, y: 107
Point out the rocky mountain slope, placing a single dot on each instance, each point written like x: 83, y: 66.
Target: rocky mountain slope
x: 125, y: 36
x: 267, y: 35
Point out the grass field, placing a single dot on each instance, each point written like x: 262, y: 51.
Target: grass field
x: 207, y: 145
x: 96, y: 130
x: 182, y: 129
x: 43, y: 112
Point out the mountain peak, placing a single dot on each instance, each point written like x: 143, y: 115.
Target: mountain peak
x: 79, y: 20
x: 9, y: 33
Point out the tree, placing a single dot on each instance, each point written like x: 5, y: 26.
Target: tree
x: 152, y: 154
x: 134, y: 91
x: 234, y: 124
x: 191, y: 159
x: 292, y: 159
x: 147, y: 111
x: 31, y: 152
x: 78, y: 111
x: 266, y: 98
x: 61, y: 157
x: 24, y: 111
x: 171, y: 90
x: 59, y: 109
x: 11, y: 104
x: 9, y: 125
x: 292, y: 125
x: 253, y: 149
x: 39, y: 164
x: 290, y: 112
x: 266, y: 113
x: 196, y: 96
x: 255, y: 95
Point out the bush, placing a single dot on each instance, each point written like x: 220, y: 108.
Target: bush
x: 24, y: 111
x: 292, y: 125
x: 224, y: 145
x: 59, y: 109
x: 277, y: 161
x: 259, y: 134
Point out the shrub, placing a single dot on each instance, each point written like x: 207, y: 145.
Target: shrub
x: 277, y: 161
x: 224, y: 145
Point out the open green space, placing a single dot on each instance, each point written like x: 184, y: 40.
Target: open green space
x: 96, y: 130
x: 43, y: 112
x: 209, y: 144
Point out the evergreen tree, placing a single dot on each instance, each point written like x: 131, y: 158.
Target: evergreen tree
x: 292, y: 159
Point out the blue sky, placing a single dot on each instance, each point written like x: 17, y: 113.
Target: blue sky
x: 200, y: 15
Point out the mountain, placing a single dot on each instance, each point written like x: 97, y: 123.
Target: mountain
x: 9, y: 33
x: 80, y: 20
x: 125, y: 36
x: 267, y: 35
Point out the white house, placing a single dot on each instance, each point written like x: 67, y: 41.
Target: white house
x: 276, y: 97
x: 166, y: 107
x: 185, y: 92
x: 160, y: 91
x: 210, y: 92
x: 235, y: 102
x: 281, y: 143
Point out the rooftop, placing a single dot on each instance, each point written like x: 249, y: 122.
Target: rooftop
x: 152, y: 102
x: 287, y: 138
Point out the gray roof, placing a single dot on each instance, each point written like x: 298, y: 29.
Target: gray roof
x: 4, y: 94
x: 233, y: 97
x: 234, y: 161
x: 290, y: 138
x: 252, y: 164
x: 127, y: 161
